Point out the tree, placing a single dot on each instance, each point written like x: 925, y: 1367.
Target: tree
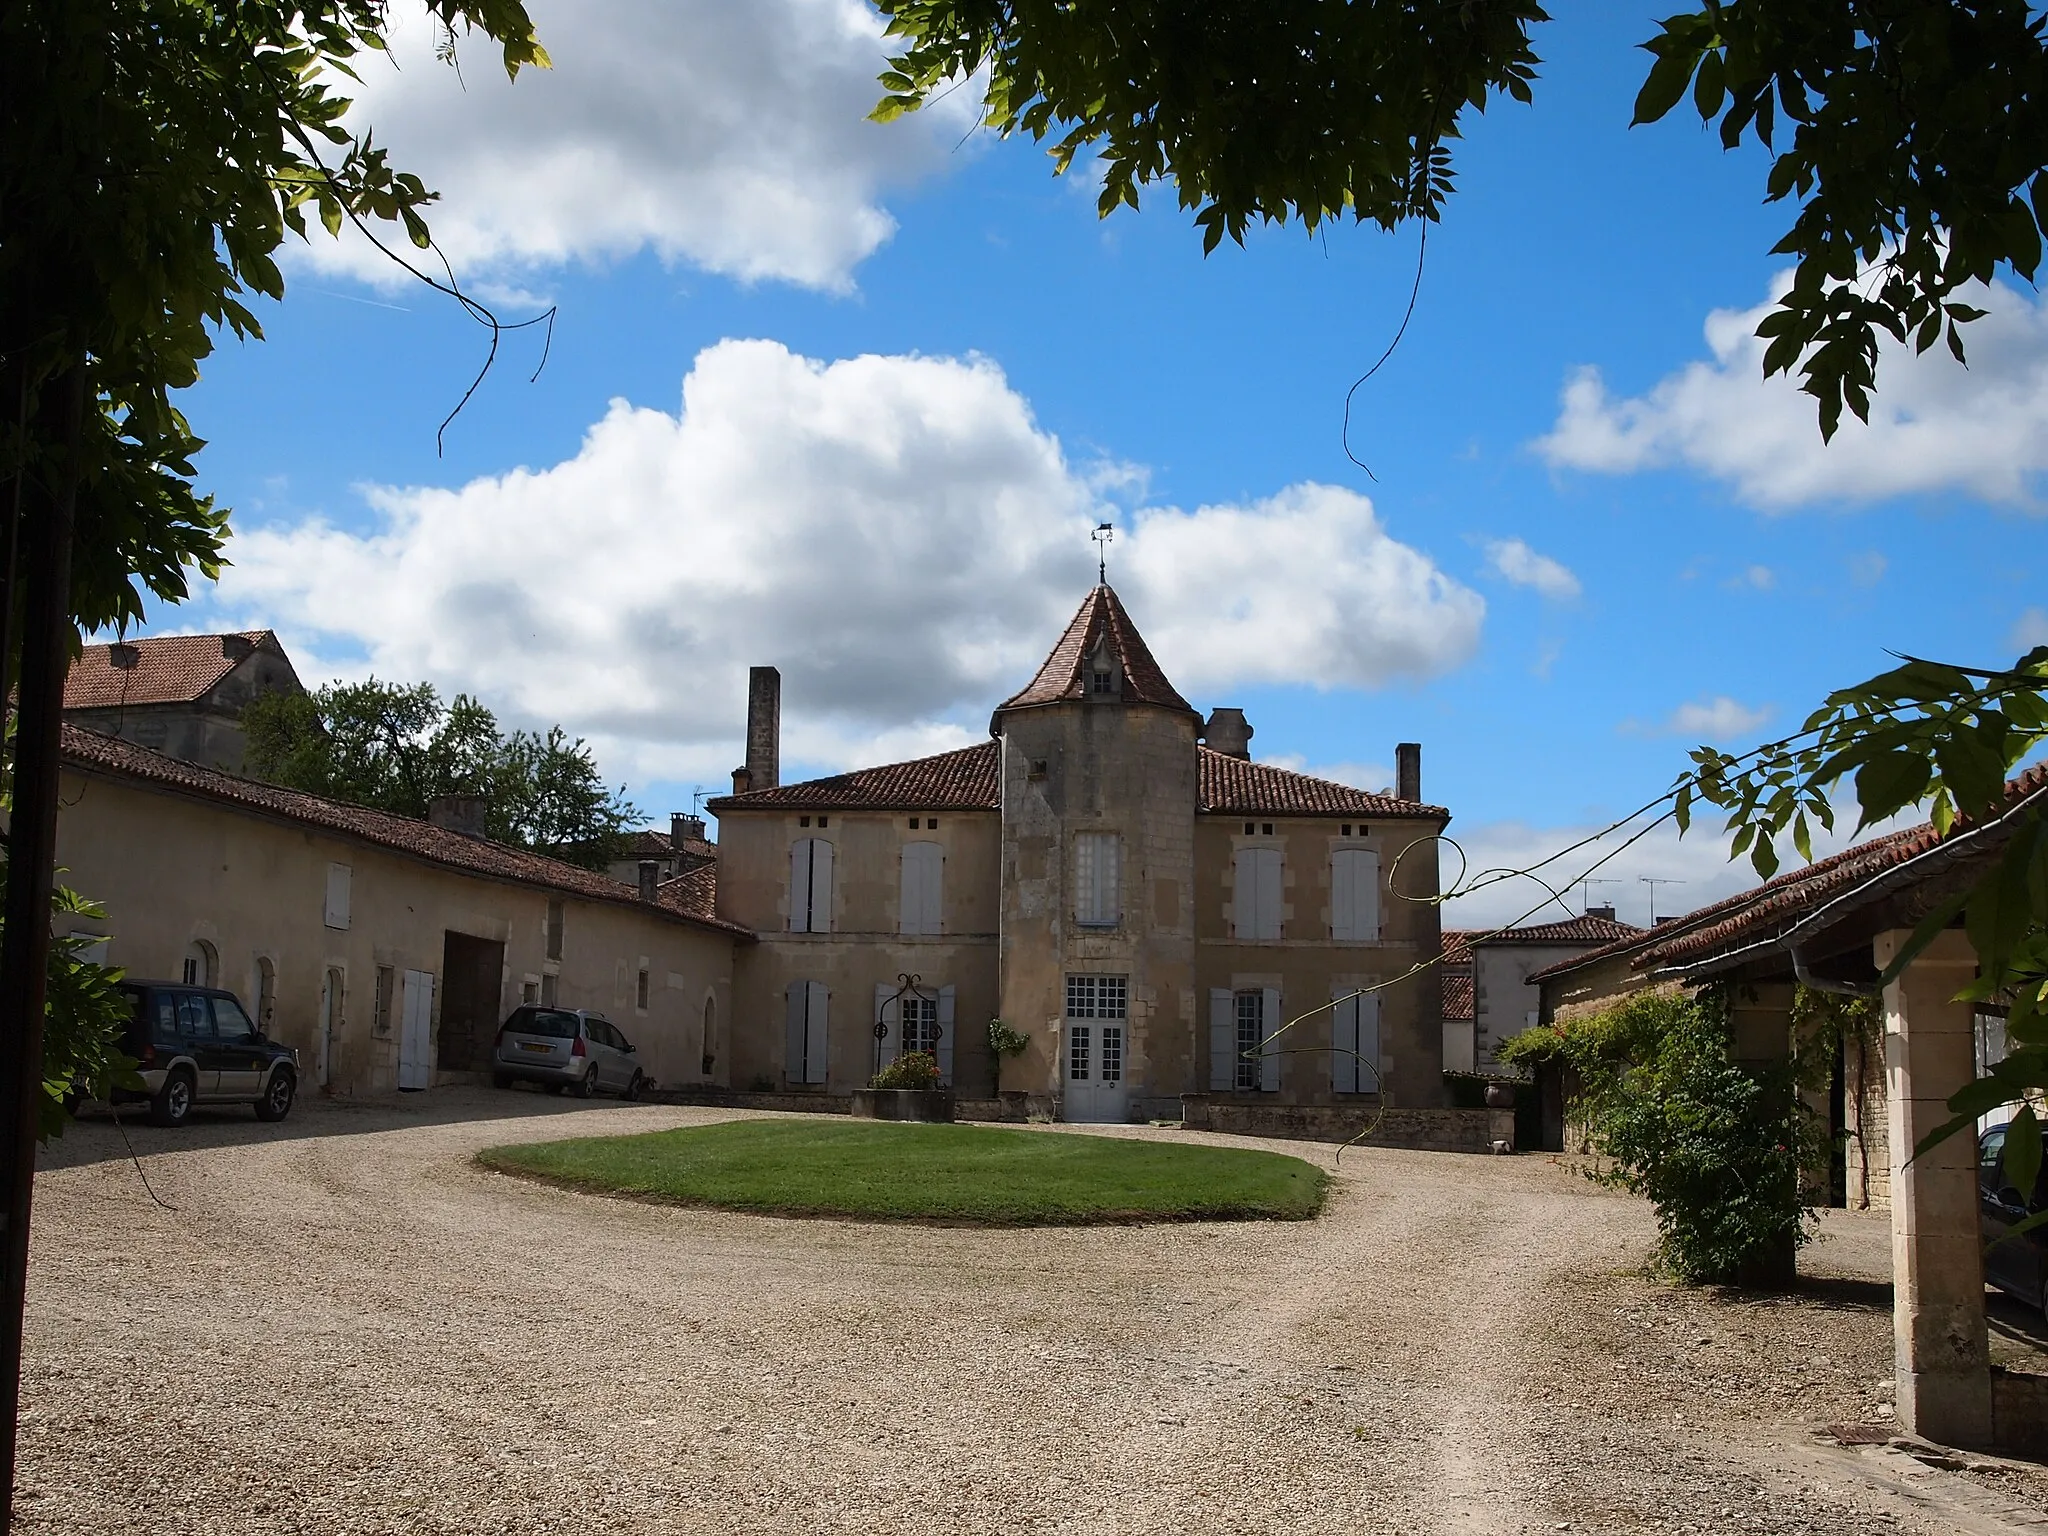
x: 1911, y: 136
x: 398, y: 748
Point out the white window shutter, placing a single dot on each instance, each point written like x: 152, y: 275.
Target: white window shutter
x: 1366, y: 885
x: 1084, y: 878
x: 1109, y: 895
x: 800, y: 886
x: 1345, y: 1069
x: 888, y: 1012
x: 909, y: 891
x: 1222, y: 1039
x: 1269, y: 1052
x: 1269, y: 893
x: 946, y: 1037
x: 1344, y: 896
x: 816, y: 1036
x: 338, y: 880
x: 919, y: 907
x: 934, y: 889
x: 1244, y: 894
x: 796, y: 1000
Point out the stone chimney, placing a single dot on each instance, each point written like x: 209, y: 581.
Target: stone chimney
x: 237, y: 647
x: 1408, y: 772
x: 684, y: 829
x: 1606, y: 912
x: 467, y: 814
x: 123, y: 657
x: 764, y: 727
x: 742, y: 780
x: 1228, y: 732
x: 650, y: 877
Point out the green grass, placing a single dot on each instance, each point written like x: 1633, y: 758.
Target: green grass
x: 937, y: 1173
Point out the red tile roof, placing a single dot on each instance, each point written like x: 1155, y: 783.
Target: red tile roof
x: 1457, y: 995
x: 952, y: 781
x: 90, y: 752
x: 1101, y: 615
x: 967, y: 780
x: 651, y: 843
x: 1457, y: 943
x: 169, y: 669
x: 1233, y: 786
x: 1575, y: 930
x: 694, y: 894
x: 1759, y: 915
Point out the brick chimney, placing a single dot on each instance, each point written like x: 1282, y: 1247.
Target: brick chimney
x: 650, y: 877
x: 684, y: 829
x: 237, y: 647
x: 1408, y: 771
x: 1606, y: 912
x: 742, y: 780
x: 1228, y: 732
x: 467, y: 814
x: 764, y: 727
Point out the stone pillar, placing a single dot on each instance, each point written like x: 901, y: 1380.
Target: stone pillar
x: 1761, y: 1024
x: 1944, y: 1375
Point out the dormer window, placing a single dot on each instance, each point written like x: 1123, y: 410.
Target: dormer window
x: 1104, y: 684
x: 1105, y: 677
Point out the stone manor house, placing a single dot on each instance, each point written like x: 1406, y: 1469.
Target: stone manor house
x: 1169, y: 924
x: 1110, y: 875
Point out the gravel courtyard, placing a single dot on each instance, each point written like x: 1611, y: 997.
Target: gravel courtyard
x: 346, y: 1326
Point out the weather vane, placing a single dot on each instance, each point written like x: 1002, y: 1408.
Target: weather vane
x: 1103, y: 534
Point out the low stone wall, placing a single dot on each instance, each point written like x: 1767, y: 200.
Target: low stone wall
x: 2019, y: 1413
x: 924, y: 1106
x: 1420, y: 1130
x: 734, y: 1098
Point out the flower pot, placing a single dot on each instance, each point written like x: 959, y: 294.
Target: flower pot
x: 924, y: 1105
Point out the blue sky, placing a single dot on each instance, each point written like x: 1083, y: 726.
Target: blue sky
x: 920, y: 367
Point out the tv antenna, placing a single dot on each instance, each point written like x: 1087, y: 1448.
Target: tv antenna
x: 1653, y: 882
x: 1103, y: 535
x: 1586, y: 895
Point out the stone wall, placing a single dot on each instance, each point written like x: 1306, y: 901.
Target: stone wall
x: 2019, y: 1413
x: 1421, y: 1130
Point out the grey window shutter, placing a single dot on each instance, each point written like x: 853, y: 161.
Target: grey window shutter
x: 1244, y: 894
x: 1269, y: 1054
x: 1369, y: 1043
x: 1269, y: 895
x: 1343, y: 902
x: 337, y: 913
x: 1367, y: 885
x: 1344, y: 1040
x: 795, y: 999
x: 800, y: 886
x: 886, y: 1012
x: 817, y: 1037
x: 821, y: 886
x: 946, y: 1036
x: 1222, y: 1039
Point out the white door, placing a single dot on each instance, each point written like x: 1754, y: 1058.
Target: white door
x: 416, y: 1036
x: 1094, y: 1070
x: 330, y: 1027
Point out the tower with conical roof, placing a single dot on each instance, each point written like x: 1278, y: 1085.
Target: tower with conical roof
x: 1099, y: 790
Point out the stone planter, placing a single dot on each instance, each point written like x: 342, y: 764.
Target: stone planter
x: 924, y: 1105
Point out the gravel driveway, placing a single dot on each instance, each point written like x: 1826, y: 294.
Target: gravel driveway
x: 346, y: 1326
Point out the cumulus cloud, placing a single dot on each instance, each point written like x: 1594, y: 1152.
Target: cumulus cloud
x: 732, y: 137
x: 897, y: 534
x: 1718, y: 719
x: 1516, y: 562
x: 1373, y: 777
x: 1935, y: 426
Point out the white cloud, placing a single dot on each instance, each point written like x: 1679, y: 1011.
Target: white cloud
x: 1719, y: 719
x: 1516, y: 562
x: 1756, y: 578
x: 2029, y: 630
x: 897, y: 534
x: 728, y: 136
x: 1934, y: 426
x: 1868, y: 568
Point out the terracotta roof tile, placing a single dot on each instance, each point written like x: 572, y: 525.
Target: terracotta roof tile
x: 92, y: 752
x: 694, y: 894
x: 1233, y: 786
x: 1575, y: 930
x: 1457, y: 995
x: 965, y: 780
x: 1101, y: 613
x: 652, y: 843
x: 169, y: 669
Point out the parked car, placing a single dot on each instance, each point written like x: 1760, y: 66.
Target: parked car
x: 197, y: 1045
x: 562, y: 1048
x: 2017, y: 1265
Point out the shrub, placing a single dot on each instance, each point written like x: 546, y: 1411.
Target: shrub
x: 1715, y: 1146
x: 913, y: 1069
x: 1003, y: 1042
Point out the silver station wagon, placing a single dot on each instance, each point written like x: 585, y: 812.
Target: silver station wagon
x: 570, y: 1048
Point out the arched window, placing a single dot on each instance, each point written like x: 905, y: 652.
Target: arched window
x: 201, y: 964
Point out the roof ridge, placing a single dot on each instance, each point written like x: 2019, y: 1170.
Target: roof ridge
x: 1059, y: 677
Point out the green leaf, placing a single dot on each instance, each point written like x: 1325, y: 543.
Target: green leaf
x: 1709, y: 86
x: 2022, y: 1156
x: 1666, y: 83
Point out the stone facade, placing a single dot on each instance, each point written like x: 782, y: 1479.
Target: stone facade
x: 181, y: 695
x: 1132, y: 900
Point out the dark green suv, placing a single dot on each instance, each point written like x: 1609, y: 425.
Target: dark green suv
x: 197, y: 1045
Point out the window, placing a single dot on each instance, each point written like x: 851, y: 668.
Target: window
x: 1039, y: 768
x: 1250, y: 828
x: 922, y: 906
x: 1097, y: 901
x: 931, y: 824
x: 640, y: 993
x: 1346, y: 829
x: 337, y: 896
x: 549, y: 986
x: 1078, y: 1052
x: 198, y: 964
x: 529, y: 990
x: 1104, y: 684
x: 230, y: 1023
x: 195, y: 1019
x: 1266, y: 829
x: 803, y: 821
x: 1255, y: 895
x: 380, y: 1002
x: 913, y: 823
x: 810, y: 885
x: 921, y: 1024
x: 1097, y: 997
x: 1354, y: 1041
x: 1355, y: 896
x: 824, y: 821
x: 554, y: 930
x: 1251, y: 1036
x: 1112, y: 1054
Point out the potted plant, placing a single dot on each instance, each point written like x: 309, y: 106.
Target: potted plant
x: 906, y: 1089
